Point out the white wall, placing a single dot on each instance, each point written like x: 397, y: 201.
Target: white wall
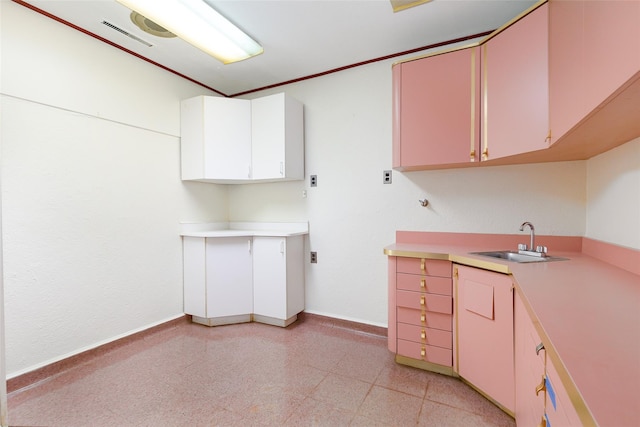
x: 352, y: 215
x: 613, y: 196
x: 91, y: 191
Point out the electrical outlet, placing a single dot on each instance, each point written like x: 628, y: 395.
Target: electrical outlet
x: 314, y: 257
x: 386, y: 177
x: 313, y: 180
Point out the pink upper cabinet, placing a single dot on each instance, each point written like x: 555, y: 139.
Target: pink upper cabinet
x: 594, y: 50
x: 436, y: 109
x: 515, y: 88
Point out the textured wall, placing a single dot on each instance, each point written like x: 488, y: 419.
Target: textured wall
x: 91, y: 191
x: 613, y: 196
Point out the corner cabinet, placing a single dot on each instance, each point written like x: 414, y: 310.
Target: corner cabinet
x: 235, y: 276
x: 229, y: 141
x: 484, y: 341
x: 421, y: 313
x: 515, y: 113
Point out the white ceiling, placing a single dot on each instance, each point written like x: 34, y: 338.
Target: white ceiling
x: 300, y: 37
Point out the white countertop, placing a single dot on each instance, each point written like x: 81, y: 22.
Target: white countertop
x: 244, y: 229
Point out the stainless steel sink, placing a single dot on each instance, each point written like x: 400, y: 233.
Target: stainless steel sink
x: 516, y: 257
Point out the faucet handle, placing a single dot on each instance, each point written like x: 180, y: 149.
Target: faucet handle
x: 541, y: 249
x: 522, y: 247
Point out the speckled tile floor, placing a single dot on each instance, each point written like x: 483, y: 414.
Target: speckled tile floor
x: 312, y: 373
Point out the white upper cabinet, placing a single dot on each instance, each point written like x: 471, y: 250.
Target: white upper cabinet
x: 277, y: 148
x: 216, y: 139
x: 231, y: 141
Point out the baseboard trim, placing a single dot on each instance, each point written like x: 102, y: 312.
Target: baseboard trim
x: 56, y: 368
x: 43, y: 373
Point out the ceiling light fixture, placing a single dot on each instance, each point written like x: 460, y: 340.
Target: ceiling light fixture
x: 399, y: 5
x: 199, y: 24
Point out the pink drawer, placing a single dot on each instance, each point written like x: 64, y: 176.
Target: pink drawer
x: 424, y: 301
x: 425, y: 318
x: 424, y: 335
x: 430, y: 284
x: 430, y: 267
x: 428, y: 353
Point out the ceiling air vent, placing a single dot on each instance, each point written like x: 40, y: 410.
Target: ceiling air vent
x: 150, y: 27
x: 126, y: 33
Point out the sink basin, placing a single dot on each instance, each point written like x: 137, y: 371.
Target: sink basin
x: 516, y: 257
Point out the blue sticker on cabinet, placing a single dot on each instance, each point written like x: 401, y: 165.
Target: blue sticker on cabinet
x: 550, y: 392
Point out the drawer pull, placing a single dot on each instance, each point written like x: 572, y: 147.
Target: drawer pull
x: 423, y: 283
x: 423, y: 351
x: 423, y: 334
x: 539, y: 347
x: 541, y: 387
x: 543, y: 422
x: 423, y: 300
x: 423, y: 317
x: 423, y: 264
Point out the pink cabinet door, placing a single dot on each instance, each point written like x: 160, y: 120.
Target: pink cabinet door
x: 594, y: 48
x: 612, y: 47
x: 529, y: 368
x: 484, y: 312
x: 436, y: 109
x: 567, y: 104
x: 559, y: 409
x: 515, y: 88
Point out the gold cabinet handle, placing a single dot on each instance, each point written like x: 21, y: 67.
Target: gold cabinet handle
x: 543, y: 423
x: 423, y: 283
x: 423, y: 300
x: 548, y: 138
x: 423, y: 317
x: 423, y: 352
x: 423, y: 264
x: 423, y: 334
x: 485, y: 153
x: 541, y: 387
x: 472, y: 155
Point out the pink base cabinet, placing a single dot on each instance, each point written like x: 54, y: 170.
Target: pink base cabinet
x: 421, y: 313
x: 484, y: 313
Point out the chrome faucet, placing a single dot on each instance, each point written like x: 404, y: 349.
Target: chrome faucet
x: 533, y: 235
x: 540, y: 251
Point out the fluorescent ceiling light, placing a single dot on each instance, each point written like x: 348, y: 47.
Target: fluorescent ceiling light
x: 197, y: 23
x: 399, y: 5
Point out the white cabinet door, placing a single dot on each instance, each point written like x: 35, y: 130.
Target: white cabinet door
x: 193, y: 253
x: 277, y: 138
x: 278, y: 281
x: 215, y: 139
x: 228, y: 276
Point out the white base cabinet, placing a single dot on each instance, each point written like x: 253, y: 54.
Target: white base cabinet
x: 278, y: 275
x: 218, y: 286
x: 240, y: 279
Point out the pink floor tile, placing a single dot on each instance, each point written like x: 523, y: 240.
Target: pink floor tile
x: 316, y: 372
